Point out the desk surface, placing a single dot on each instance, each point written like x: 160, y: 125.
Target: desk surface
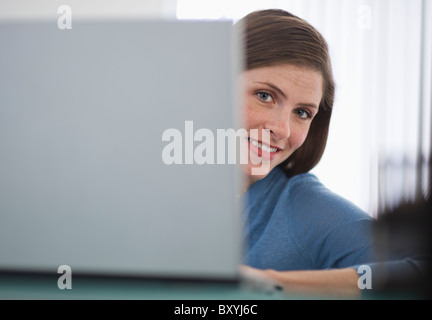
x: 36, y: 287
x: 19, y: 287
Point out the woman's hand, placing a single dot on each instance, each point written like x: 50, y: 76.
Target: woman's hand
x: 331, y: 283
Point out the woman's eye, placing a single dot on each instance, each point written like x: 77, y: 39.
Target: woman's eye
x: 303, y: 114
x: 264, y: 96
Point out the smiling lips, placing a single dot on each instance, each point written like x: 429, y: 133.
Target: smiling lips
x: 263, y: 150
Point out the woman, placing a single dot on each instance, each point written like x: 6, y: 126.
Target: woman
x: 298, y: 233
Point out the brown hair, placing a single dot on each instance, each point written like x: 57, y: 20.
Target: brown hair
x: 274, y: 37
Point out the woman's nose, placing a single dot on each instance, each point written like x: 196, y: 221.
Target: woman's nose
x: 279, y: 124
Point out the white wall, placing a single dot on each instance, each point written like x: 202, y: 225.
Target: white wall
x: 47, y: 9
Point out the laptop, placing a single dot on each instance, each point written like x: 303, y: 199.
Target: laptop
x: 105, y: 135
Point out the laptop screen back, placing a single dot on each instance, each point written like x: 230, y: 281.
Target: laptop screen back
x: 103, y: 132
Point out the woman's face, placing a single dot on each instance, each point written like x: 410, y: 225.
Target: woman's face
x: 282, y: 99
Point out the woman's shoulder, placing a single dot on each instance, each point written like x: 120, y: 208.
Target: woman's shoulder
x: 286, y: 187
x: 302, y: 183
x: 318, y: 218
x: 306, y: 194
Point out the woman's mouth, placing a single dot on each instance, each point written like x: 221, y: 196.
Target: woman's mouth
x: 264, y: 151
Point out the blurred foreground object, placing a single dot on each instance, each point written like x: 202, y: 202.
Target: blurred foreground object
x: 404, y: 241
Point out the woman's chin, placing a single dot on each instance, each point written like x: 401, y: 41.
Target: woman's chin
x: 256, y: 172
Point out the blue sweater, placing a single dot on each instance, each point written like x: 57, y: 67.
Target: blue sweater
x: 298, y: 224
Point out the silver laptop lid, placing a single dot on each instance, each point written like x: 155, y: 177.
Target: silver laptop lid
x: 86, y: 115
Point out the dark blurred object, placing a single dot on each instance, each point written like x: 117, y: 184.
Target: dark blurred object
x: 404, y: 245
